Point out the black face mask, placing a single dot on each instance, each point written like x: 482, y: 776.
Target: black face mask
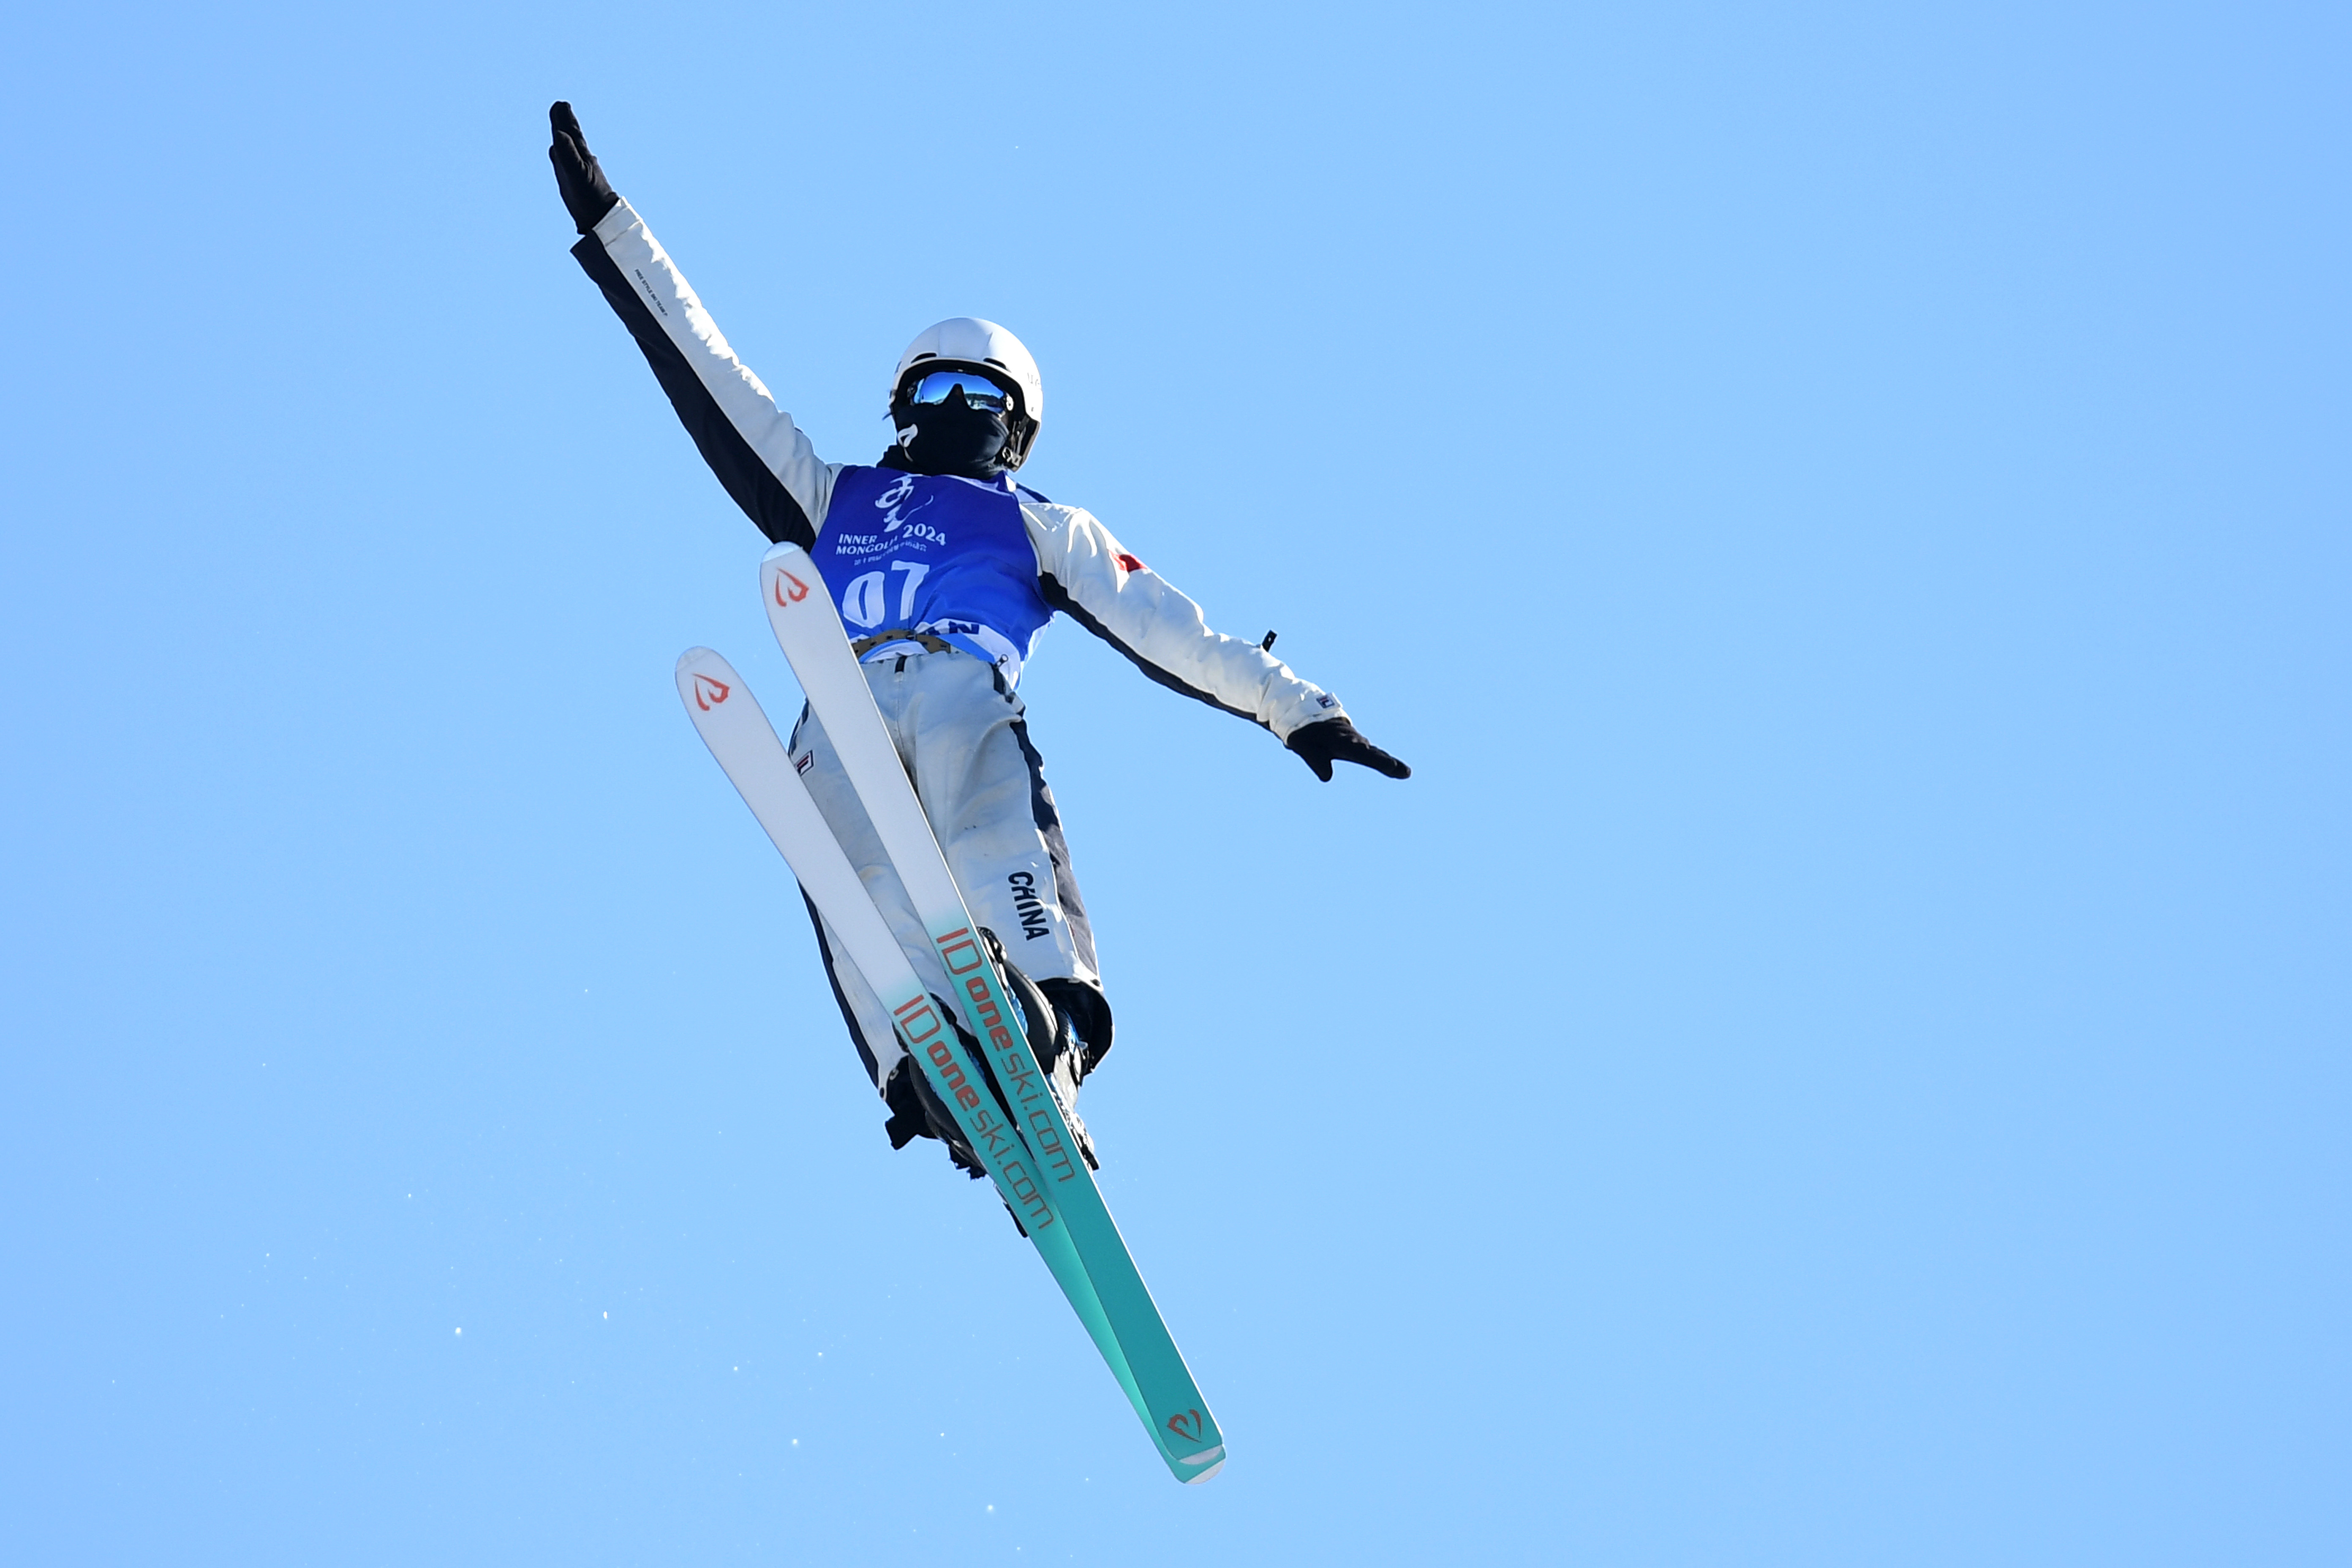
x: 952, y: 437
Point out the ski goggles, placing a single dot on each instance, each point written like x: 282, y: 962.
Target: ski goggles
x: 979, y: 391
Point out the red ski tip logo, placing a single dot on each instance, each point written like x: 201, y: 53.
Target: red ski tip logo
x: 708, y: 693
x: 800, y: 589
x: 1187, y: 1425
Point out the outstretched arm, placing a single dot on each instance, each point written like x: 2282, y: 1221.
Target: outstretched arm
x: 752, y: 446
x: 1084, y: 572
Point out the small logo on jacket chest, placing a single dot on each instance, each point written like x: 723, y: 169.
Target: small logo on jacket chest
x: 900, y: 526
x: 898, y: 518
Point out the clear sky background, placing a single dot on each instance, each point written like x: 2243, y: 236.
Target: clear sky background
x: 1836, y: 1057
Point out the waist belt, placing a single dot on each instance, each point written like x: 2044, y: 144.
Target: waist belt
x: 930, y: 644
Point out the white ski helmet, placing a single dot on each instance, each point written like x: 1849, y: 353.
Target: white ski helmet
x: 970, y: 343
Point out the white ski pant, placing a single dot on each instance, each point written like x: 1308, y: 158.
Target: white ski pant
x: 963, y: 735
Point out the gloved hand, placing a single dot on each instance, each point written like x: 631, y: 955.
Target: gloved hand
x: 1328, y: 740
x: 586, y: 193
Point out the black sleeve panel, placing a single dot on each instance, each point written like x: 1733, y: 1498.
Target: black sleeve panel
x: 756, y: 489
x: 1059, y: 598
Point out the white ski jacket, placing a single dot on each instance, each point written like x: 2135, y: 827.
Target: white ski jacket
x: 767, y: 464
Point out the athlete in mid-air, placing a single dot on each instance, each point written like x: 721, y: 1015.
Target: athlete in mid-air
x: 946, y: 570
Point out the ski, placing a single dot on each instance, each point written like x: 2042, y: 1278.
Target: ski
x: 809, y: 628
x: 736, y: 729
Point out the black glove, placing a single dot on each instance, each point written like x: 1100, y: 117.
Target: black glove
x: 586, y: 193
x: 1328, y: 740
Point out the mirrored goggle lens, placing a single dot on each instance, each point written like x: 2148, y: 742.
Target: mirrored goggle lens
x: 978, y: 390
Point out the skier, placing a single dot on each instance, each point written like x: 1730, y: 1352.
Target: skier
x: 950, y: 570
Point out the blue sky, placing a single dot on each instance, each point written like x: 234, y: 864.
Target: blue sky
x: 1836, y: 1056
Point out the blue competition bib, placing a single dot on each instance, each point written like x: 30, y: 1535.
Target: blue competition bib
x: 933, y: 553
